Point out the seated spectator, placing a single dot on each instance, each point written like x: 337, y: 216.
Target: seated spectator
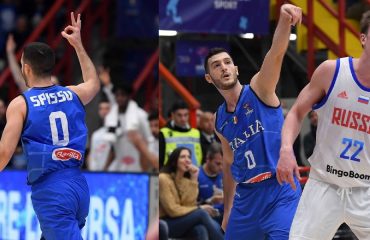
x: 178, y: 184
x: 210, y: 182
x: 207, y: 132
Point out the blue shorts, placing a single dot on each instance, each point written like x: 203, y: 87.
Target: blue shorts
x: 263, y: 210
x: 61, y: 203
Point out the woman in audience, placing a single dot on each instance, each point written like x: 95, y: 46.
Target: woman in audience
x: 178, y: 184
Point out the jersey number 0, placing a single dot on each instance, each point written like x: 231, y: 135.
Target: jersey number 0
x: 54, y: 129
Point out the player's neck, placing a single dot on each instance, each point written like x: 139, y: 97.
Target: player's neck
x: 231, y: 96
x: 41, y: 82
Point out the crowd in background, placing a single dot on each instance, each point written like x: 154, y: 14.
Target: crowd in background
x: 127, y: 137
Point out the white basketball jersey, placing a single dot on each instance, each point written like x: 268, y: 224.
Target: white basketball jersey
x: 342, y: 152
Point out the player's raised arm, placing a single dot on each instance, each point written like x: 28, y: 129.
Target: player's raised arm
x: 265, y: 81
x: 91, y: 85
x: 15, y: 115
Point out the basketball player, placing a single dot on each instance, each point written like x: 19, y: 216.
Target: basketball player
x: 249, y: 127
x: 50, y: 120
x: 338, y: 187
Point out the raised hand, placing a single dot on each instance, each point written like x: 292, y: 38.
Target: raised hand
x: 10, y: 44
x: 292, y: 13
x: 73, y: 32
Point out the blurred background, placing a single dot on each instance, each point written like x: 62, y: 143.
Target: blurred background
x: 121, y: 38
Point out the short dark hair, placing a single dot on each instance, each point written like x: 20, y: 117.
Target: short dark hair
x: 40, y: 57
x: 153, y: 116
x: 124, y: 87
x: 104, y: 98
x: 365, y: 22
x: 171, y: 165
x: 212, y: 52
x: 179, y: 105
x: 214, y: 149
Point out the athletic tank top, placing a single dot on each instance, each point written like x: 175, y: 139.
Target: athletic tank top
x: 341, y: 155
x: 54, y: 132
x: 253, y: 131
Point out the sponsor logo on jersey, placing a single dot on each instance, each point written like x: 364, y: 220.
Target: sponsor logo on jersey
x: 363, y: 99
x: 259, y: 178
x: 351, y: 119
x: 248, y: 109
x: 343, y: 95
x: 350, y: 174
x: 64, y: 154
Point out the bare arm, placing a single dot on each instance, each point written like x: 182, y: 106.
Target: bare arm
x: 110, y: 158
x: 311, y: 94
x: 265, y: 81
x: 13, y: 64
x: 91, y: 85
x: 141, y: 145
x: 15, y: 115
x: 228, y: 181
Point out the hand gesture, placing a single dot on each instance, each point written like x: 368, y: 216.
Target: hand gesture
x: 104, y: 75
x: 194, y: 171
x: 291, y: 13
x: 287, y: 166
x: 217, y: 199
x: 10, y: 44
x: 73, y: 32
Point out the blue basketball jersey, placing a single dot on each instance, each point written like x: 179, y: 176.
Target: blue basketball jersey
x: 208, y: 185
x: 253, y: 131
x: 54, y: 133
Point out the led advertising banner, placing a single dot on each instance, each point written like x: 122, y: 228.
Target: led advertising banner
x: 215, y: 16
x: 190, y: 56
x: 119, y: 205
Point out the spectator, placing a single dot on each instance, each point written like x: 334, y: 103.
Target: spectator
x: 178, y: 182
x: 178, y: 132
x: 101, y: 150
x: 309, y: 139
x: 210, y: 181
x: 154, y: 128
x: 21, y: 31
x: 207, y: 132
x: 131, y: 133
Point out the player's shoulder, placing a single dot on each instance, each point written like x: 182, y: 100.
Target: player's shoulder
x: 328, y: 66
x: 18, y: 104
x: 325, y: 72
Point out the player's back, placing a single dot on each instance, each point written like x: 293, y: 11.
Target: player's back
x: 54, y: 132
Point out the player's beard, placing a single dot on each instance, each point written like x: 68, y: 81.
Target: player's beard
x: 225, y: 85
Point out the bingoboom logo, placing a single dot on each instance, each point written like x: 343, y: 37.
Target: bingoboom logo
x: 64, y: 154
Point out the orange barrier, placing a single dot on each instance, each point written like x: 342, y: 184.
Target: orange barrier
x: 182, y: 91
x: 304, y: 171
